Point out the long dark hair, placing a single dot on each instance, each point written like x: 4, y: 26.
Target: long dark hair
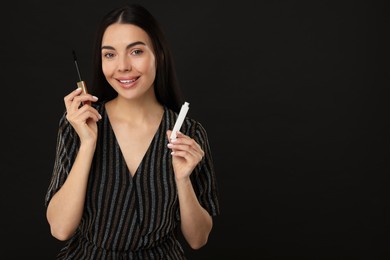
x: 166, y: 85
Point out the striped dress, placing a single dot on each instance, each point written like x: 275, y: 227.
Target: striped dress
x: 131, y: 217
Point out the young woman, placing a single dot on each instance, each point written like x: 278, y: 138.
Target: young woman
x: 121, y: 188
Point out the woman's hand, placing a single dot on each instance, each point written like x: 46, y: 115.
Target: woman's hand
x: 81, y: 115
x: 186, y: 155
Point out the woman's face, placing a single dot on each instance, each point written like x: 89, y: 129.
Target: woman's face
x: 128, y: 60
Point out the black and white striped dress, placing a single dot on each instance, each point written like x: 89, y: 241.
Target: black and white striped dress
x: 131, y: 217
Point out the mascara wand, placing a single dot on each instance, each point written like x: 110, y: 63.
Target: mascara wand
x: 77, y: 66
x: 81, y: 83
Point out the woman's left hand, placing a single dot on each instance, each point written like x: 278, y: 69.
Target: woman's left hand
x: 186, y: 154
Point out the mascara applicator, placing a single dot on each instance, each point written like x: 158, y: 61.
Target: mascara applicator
x: 81, y: 83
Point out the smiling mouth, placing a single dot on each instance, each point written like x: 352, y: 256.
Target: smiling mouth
x: 127, y: 81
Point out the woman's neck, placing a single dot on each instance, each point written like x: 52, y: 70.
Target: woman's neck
x: 134, y: 111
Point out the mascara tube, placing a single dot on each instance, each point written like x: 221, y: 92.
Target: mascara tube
x: 81, y: 84
x: 180, y: 120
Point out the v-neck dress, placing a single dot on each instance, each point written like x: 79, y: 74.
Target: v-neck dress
x: 125, y: 216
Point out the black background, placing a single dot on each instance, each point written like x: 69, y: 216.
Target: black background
x: 291, y: 93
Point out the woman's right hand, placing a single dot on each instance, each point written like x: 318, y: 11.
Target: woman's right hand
x: 81, y: 115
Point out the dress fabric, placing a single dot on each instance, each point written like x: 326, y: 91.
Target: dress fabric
x: 125, y: 216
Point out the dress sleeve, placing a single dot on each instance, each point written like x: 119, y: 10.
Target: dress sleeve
x: 66, y: 150
x: 204, y: 178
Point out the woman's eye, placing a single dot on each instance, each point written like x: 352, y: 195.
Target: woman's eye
x: 137, y: 52
x: 108, y: 55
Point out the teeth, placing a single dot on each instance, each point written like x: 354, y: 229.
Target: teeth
x: 127, y: 81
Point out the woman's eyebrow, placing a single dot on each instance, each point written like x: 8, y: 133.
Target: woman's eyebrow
x: 127, y: 47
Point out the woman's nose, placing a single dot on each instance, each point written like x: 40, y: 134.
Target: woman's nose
x: 124, y: 64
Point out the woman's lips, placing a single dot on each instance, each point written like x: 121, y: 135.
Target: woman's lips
x: 127, y: 83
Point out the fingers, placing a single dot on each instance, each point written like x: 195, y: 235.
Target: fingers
x: 184, y: 146
x: 69, y: 98
x: 75, y: 99
x: 78, y: 113
x: 178, y: 135
x: 83, y: 114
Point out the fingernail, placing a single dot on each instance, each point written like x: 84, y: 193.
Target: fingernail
x: 94, y: 97
x: 170, y: 145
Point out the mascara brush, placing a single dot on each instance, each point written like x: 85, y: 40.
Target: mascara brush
x: 81, y: 83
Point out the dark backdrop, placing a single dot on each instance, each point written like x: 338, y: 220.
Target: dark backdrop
x: 292, y: 94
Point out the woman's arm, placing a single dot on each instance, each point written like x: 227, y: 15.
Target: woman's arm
x: 196, y: 223
x: 65, y: 208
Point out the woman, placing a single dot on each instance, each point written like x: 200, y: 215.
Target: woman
x: 120, y: 187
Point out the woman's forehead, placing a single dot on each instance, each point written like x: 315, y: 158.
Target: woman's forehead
x: 120, y: 34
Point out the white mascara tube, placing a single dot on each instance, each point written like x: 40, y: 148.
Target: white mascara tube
x: 180, y: 119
